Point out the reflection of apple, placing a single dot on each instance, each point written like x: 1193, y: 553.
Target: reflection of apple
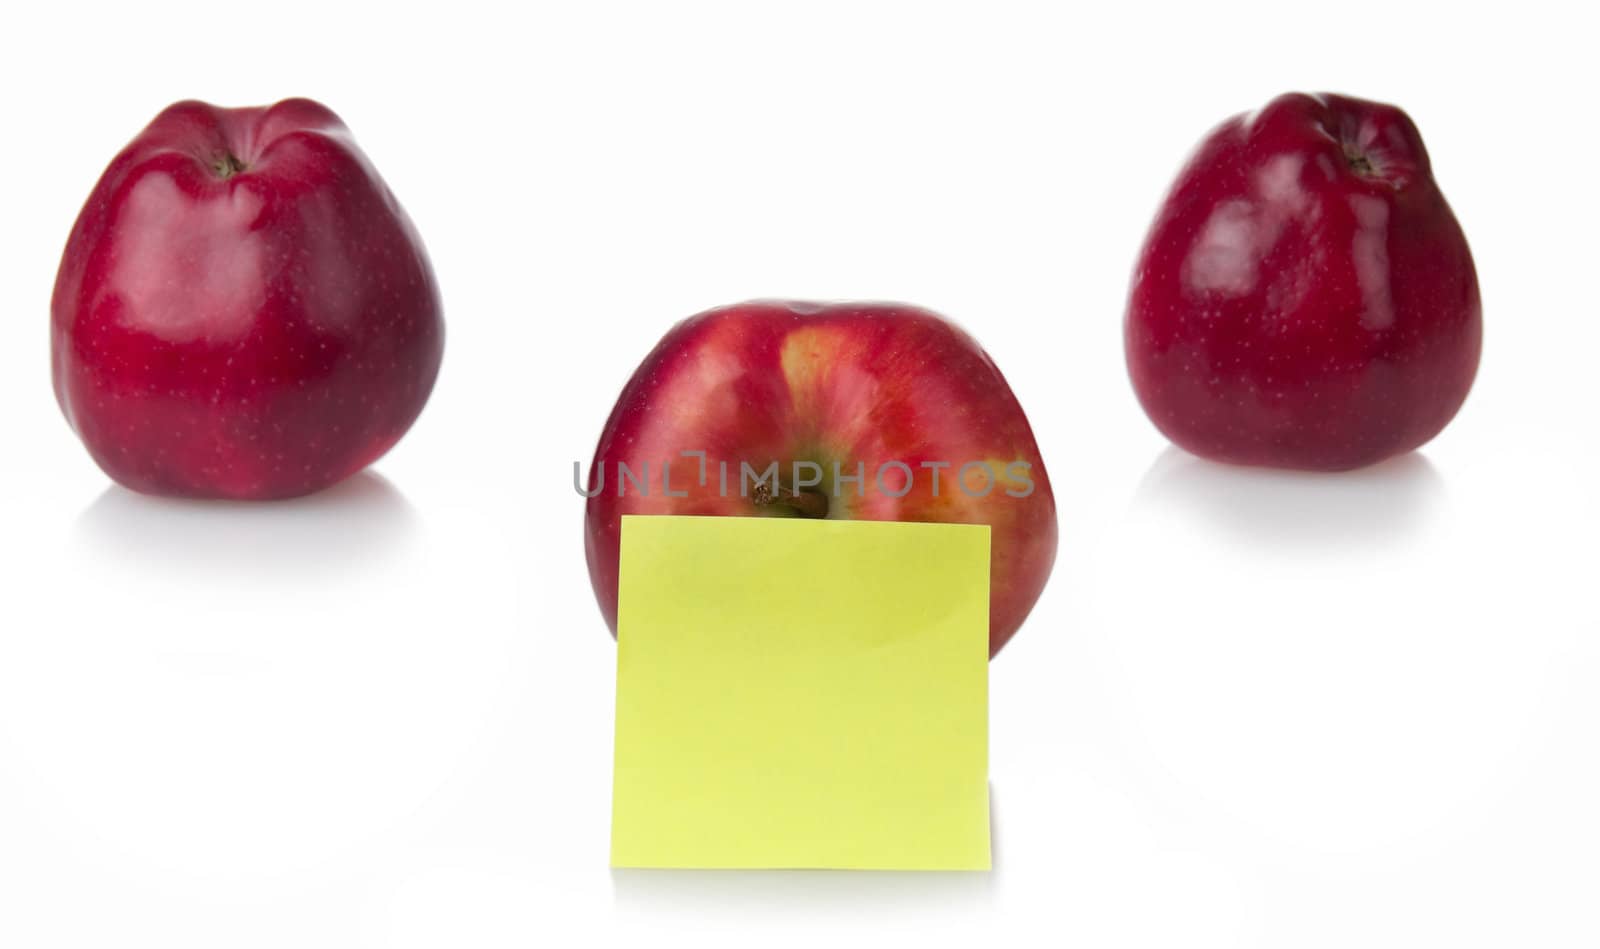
x: 892, y: 394
x: 243, y: 310
x: 1305, y: 297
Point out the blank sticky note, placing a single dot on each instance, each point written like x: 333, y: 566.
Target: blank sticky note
x: 802, y: 694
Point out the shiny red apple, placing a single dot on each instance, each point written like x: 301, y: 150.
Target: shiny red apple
x: 243, y: 310
x: 1305, y: 297
x: 871, y: 411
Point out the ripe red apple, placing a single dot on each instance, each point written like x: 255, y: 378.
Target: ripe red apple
x: 1305, y: 297
x: 243, y: 310
x: 891, y: 394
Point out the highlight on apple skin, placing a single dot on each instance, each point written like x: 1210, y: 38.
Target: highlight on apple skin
x: 243, y: 310
x: 1305, y: 298
x: 873, y: 411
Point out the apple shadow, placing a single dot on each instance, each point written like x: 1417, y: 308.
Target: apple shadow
x: 1379, y: 504
x: 360, y: 521
x: 806, y: 891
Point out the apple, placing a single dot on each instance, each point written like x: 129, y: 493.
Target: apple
x: 243, y: 310
x: 1305, y: 298
x: 870, y: 411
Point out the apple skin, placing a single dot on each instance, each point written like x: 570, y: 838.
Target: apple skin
x: 243, y: 310
x: 1305, y: 298
x: 846, y: 383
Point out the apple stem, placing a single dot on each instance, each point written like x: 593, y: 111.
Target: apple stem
x: 1361, y: 164
x: 807, y: 503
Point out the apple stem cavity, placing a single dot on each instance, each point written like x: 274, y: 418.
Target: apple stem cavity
x: 805, y: 503
x: 1359, y: 161
x: 227, y: 165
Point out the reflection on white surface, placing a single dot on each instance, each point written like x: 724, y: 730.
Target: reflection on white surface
x: 1382, y: 503
x: 358, y: 522
x: 228, y: 690
x: 1330, y: 663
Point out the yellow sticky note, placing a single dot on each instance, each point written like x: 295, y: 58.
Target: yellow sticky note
x: 802, y: 694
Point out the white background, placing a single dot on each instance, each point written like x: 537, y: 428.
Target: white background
x: 1251, y: 709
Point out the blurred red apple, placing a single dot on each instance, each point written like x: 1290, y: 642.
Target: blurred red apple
x: 1305, y: 297
x: 872, y: 411
x: 243, y: 310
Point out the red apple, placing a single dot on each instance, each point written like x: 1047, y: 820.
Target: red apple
x: 891, y: 394
x: 1305, y: 297
x: 243, y: 310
